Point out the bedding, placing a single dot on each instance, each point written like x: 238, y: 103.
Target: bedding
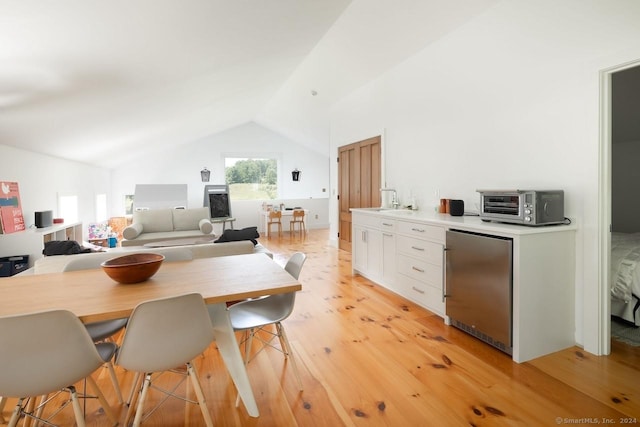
x: 625, y: 275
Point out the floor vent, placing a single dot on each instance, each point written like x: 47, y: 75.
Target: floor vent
x: 482, y: 336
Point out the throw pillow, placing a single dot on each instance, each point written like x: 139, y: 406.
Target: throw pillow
x: 205, y: 226
x: 132, y: 231
x: 249, y: 233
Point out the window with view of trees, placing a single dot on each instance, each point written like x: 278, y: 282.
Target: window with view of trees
x: 252, y: 179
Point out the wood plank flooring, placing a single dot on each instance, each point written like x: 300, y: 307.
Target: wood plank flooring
x: 370, y: 358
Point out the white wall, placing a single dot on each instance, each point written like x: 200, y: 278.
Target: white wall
x: 509, y: 100
x: 41, y: 178
x: 182, y: 165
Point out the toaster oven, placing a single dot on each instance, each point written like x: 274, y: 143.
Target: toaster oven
x: 525, y: 207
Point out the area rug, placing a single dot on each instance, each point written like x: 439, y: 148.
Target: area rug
x: 625, y: 333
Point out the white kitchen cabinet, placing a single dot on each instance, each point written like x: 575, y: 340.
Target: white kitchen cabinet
x: 373, y: 248
x: 543, y: 318
x: 31, y: 241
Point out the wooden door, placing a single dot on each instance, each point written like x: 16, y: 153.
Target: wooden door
x: 359, y: 179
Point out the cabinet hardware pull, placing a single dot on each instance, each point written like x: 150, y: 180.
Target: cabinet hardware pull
x: 417, y: 248
x: 419, y: 230
x: 417, y: 290
x: 387, y: 224
x: 387, y: 234
x: 445, y: 266
x: 418, y: 269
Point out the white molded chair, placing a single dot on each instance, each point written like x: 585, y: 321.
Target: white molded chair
x: 103, y: 330
x: 161, y: 335
x: 251, y: 316
x: 46, y: 352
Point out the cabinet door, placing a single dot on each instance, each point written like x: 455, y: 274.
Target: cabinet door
x: 375, y: 254
x: 360, y: 251
x: 388, y: 258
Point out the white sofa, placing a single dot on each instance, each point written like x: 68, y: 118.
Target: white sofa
x: 167, y: 224
x: 57, y: 263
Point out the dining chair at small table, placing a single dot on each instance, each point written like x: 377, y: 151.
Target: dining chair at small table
x: 275, y: 217
x: 297, y: 220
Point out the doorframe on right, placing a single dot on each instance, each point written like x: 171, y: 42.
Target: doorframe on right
x: 603, y: 327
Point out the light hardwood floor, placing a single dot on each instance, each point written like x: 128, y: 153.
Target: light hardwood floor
x: 370, y: 358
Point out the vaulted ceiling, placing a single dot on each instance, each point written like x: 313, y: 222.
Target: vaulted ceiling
x: 92, y: 80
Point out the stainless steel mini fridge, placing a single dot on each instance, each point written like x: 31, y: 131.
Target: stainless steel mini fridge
x: 478, y: 288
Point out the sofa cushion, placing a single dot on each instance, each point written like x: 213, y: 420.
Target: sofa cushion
x: 132, y: 231
x: 188, y: 219
x: 205, y: 226
x: 154, y: 221
x: 248, y: 233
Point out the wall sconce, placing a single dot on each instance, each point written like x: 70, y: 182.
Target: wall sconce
x: 295, y: 174
x: 205, y: 174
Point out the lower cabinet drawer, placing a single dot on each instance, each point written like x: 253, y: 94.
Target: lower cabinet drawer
x: 420, y: 270
x: 422, y: 294
x: 429, y: 251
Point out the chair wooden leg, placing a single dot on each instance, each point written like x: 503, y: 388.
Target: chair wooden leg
x: 40, y: 409
x: 31, y: 405
x: 197, y: 387
x: 103, y: 401
x: 3, y: 402
x: 77, y: 410
x: 143, y: 396
x: 15, y: 415
x: 133, y: 397
x: 114, y: 380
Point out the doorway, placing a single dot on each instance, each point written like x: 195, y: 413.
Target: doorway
x: 616, y: 128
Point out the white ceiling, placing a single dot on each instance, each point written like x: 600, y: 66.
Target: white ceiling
x: 92, y: 80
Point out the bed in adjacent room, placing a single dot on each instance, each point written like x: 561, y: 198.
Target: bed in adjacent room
x: 625, y: 276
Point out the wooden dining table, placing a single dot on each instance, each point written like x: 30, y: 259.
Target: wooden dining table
x: 93, y: 296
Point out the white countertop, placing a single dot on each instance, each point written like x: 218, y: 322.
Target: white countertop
x: 473, y: 223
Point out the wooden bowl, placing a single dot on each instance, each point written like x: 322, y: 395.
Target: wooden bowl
x: 133, y: 268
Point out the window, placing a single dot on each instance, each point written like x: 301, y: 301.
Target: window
x: 68, y: 207
x: 252, y: 178
x: 101, y: 207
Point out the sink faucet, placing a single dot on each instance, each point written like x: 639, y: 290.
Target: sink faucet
x: 394, y: 200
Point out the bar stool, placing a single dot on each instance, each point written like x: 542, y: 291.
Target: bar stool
x: 297, y: 218
x: 275, y: 217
